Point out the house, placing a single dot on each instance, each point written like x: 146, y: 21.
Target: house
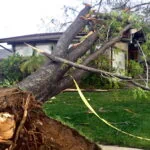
x: 44, y: 41
x: 128, y: 49
x: 47, y: 41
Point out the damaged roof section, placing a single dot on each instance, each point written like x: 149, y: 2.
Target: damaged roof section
x: 133, y: 35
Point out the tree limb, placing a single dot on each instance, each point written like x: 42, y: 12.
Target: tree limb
x: 148, y: 3
x: 99, y: 6
x: 67, y: 37
x: 135, y: 6
x: 83, y: 67
x: 139, y: 85
x: 107, y: 45
x: 81, y: 49
x: 35, y: 82
x: 90, y: 69
x: 6, y: 49
x: 78, y: 52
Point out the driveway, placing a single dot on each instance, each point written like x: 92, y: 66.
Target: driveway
x: 104, y: 147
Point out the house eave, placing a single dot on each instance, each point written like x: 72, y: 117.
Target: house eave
x: 37, y: 38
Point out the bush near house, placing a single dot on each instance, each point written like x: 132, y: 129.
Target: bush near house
x: 10, y: 70
x: 135, y: 68
x: 16, y: 67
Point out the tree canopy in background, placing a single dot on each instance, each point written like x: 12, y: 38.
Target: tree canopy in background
x: 138, y: 7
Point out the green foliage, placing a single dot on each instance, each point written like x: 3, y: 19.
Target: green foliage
x: 10, y: 70
x: 64, y: 65
x: 135, y: 68
x: 93, y: 80
x: 132, y: 18
x: 16, y: 67
x: 102, y: 62
x: 146, y: 49
x: 32, y: 64
x: 112, y: 26
x: 6, y: 83
x: 139, y: 93
x: 116, y: 21
x: 97, y: 81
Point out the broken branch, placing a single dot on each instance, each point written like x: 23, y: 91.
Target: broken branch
x: 62, y: 60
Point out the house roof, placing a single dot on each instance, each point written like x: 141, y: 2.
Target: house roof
x: 54, y: 37
x: 35, y: 38
x: 133, y: 35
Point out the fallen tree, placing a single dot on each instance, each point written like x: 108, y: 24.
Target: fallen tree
x: 26, y: 126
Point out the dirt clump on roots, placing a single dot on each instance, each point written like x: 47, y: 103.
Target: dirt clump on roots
x: 33, y: 130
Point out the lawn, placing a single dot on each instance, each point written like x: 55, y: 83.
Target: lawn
x: 118, y: 107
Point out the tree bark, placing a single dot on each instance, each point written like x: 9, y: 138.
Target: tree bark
x: 42, y: 81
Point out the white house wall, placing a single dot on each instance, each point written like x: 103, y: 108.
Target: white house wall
x: 119, y: 61
x: 119, y: 57
x: 121, y: 45
x: 24, y: 50
x: 46, y: 47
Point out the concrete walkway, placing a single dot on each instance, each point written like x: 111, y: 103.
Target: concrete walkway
x: 104, y: 147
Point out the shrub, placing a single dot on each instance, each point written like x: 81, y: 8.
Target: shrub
x: 97, y: 81
x: 10, y: 70
x: 16, y: 67
x: 135, y: 68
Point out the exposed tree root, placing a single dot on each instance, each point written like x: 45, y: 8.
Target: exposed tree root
x: 34, y: 130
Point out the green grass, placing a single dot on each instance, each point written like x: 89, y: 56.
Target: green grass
x: 118, y: 107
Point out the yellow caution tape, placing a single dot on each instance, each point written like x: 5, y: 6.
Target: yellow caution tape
x: 102, y: 119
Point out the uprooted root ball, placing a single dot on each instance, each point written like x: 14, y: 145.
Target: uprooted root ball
x: 30, y: 129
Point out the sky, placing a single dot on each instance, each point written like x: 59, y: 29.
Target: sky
x: 21, y: 17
